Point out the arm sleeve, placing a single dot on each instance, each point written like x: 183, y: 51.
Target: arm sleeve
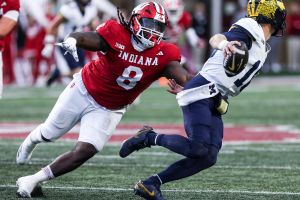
x: 15, y: 5
x: 173, y: 52
x: 13, y: 11
x: 238, y: 33
x: 12, y: 14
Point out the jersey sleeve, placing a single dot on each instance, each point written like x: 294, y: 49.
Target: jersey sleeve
x: 238, y: 33
x: 108, y: 31
x: 13, y: 11
x: 14, y: 5
x: 173, y: 53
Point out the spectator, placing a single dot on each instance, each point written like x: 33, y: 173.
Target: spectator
x: 293, y: 33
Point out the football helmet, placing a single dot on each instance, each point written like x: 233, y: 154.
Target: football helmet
x: 147, y: 23
x: 174, y: 9
x: 268, y: 12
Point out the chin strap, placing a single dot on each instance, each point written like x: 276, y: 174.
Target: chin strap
x: 137, y: 45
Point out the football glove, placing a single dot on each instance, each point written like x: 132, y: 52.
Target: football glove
x: 69, y: 44
x: 49, y: 46
x: 47, y: 50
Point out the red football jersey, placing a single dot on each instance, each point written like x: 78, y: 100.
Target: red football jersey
x: 5, y: 6
x: 116, y: 78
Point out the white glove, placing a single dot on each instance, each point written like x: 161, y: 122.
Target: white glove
x: 49, y: 46
x: 69, y: 44
x: 47, y: 50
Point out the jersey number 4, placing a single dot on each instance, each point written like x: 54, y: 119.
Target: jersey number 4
x: 130, y: 77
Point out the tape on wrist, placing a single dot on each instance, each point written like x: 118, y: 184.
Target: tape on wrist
x: 222, y: 44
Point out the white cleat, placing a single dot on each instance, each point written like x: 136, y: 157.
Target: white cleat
x: 25, y: 151
x: 25, y: 186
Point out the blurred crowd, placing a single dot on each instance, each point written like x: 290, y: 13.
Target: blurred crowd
x: 29, y: 58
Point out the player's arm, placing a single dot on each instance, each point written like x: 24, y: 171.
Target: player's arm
x: 53, y: 28
x: 219, y: 41
x: 51, y: 31
x: 91, y: 41
x: 9, y: 21
x: 6, y: 26
x: 175, y: 71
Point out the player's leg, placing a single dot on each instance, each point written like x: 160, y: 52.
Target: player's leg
x: 187, y: 166
x: 97, y: 125
x: 96, y: 128
x: 195, y: 114
x: 64, y: 115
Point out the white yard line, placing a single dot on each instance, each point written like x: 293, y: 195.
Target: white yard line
x: 263, y: 167
x: 168, y: 190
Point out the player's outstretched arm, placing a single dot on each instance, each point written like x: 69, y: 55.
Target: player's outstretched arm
x: 175, y: 71
x: 91, y: 41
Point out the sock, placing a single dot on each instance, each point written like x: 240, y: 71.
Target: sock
x: 153, y: 180
x: 44, y: 174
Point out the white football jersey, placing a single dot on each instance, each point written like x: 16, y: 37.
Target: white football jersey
x: 75, y: 20
x: 213, y: 69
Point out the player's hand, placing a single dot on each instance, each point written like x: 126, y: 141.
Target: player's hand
x: 47, y: 50
x: 174, y: 87
x: 70, y: 46
x: 229, y: 49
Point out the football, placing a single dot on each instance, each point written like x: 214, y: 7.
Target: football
x: 235, y: 63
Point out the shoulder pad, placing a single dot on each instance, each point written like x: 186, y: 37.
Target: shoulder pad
x: 254, y: 29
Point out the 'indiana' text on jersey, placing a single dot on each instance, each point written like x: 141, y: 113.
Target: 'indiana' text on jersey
x: 138, y: 59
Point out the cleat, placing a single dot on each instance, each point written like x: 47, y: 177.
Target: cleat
x: 25, y: 151
x: 27, y: 187
x: 137, y: 142
x: 147, y: 191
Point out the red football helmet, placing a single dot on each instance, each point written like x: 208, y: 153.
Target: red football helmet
x: 148, y: 22
x: 174, y: 9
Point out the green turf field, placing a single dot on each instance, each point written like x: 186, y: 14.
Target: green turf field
x: 248, y: 171
x: 274, y: 105
x: 243, y: 172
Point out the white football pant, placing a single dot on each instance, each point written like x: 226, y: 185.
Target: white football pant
x: 76, y: 105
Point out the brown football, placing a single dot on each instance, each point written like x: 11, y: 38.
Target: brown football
x: 235, y: 63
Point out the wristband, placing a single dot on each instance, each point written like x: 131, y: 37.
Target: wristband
x: 49, y: 39
x: 222, y: 44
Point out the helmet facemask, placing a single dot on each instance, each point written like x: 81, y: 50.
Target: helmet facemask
x: 150, y: 31
x: 147, y: 24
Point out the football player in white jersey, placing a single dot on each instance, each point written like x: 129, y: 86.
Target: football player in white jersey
x: 201, y: 98
x: 74, y: 15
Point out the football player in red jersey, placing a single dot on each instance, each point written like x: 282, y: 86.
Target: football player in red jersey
x: 180, y: 29
x: 132, y: 55
x: 9, y: 13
